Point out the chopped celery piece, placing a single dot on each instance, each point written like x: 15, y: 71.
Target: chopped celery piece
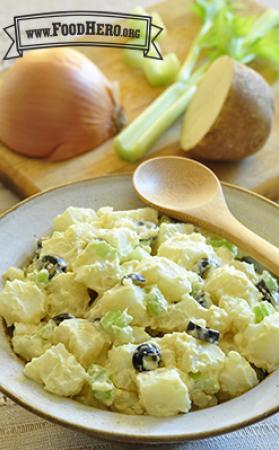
x: 270, y: 282
x: 140, y: 252
x: 156, y: 20
x: 157, y: 72
x: 161, y: 72
x: 102, y: 249
x: 197, y: 287
x: 100, y: 384
x: 116, y: 318
x: 223, y: 243
x: 46, y: 331
x: 133, y: 58
x: 116, y: 324
x: 138, y: 24
x: 156, y: 303
x: 105, y: 397
x: 262, y: 310
x: 42, y: 277
x: 204, y: 383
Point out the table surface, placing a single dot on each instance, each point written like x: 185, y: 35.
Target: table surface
x: 19, y: 429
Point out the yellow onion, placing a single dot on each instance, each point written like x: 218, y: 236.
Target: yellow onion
x: 56, y: 103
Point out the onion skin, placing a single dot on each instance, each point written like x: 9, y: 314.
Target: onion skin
x: 56, y: 103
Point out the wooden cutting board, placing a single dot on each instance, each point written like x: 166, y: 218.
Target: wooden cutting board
x: 259, y: 172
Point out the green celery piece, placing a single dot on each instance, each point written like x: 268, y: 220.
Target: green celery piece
x: 103, y: 249
x: 211, y: 12
x: 196, y: 288
x: 267, y: 49
x: 204, y: 382
x: 116, y: 324
x: 101, y: 384
x: 270, y: 281
x: 157, y: 72
x: 115, y: 318
x: 42, y: 277
x: 260, y: 37
x: 105, y: 397
x: 138, y: 24
x: 156, y: 20
x: 261, y: 26
x: 208, y: 9
x: 97, y: 372
x: 223, y: 243
x: 46, y: 331
x: 133, y: 58
x: 139, y: 253
x: 262, y: 310
x: 156, y: 303
x: 161, y: 72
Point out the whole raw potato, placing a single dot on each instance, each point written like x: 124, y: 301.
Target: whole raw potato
x: 230, y: 115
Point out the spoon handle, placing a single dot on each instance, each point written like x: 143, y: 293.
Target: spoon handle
x: 254, y: 245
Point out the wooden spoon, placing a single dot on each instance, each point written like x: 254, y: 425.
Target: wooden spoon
x: 189, y: 191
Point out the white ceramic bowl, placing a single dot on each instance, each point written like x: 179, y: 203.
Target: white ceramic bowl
x: 19, y: 230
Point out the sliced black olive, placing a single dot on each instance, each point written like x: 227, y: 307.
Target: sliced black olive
x: 146, y: 357
x: 10, y: 330
x: 154, y: 333
x: 63, y: 316
x: 136, y: 278
x: 93, y: 295
x: 140, y: 223
x: 53, y: 264
x: 261, y: 374
x: 205, y: 265
x: 262, y: 287
x: 203, y: 333
x: 203, y: 298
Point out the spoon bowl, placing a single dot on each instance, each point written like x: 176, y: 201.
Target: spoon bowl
x: 189, y: 191
x: 174, y: 183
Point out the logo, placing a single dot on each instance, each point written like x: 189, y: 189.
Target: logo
x: 83, y: 28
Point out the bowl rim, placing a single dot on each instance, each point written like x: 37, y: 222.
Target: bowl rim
x: 110, y: 435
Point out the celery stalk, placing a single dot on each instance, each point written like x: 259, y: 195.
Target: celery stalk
x: 193, y: 54
x: 159, y: 73
x: 137, y: 138
x: 133, y: 58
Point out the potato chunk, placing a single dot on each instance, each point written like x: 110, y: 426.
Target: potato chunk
x: 163, y: 393
x: 58, y: 370
x: 22, y: 301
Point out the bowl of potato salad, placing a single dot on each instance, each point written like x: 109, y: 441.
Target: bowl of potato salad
x: 123, y: 323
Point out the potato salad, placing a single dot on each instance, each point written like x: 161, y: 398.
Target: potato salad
x: 140, y: 314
